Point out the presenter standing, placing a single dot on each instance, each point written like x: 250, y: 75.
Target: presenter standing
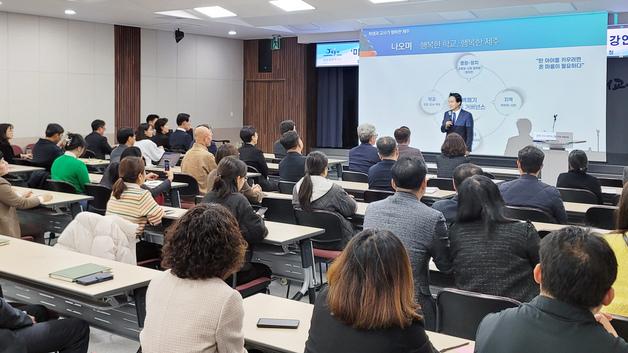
x: 458, y: 120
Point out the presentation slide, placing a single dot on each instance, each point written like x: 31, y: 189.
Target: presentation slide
x: 518, y: 78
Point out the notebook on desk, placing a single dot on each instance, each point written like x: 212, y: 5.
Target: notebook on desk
x: 73, y: 273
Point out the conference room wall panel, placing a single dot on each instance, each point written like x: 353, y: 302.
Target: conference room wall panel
x: 201, y: 76
x: 54, y: 70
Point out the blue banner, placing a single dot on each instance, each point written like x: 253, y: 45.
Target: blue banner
x: 574, y: 30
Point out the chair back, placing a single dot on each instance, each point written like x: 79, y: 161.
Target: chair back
x: 17, y: 150
x: 578, y: 195
x: 460, y: 312
x: 286, y: 187
x: 191, y: 189
x: 330, y: 221
x: 376, y: 195
x: 620, y: 324
x: 616, y: 183
x: 441, y: 183
x: 251, y: 169
x: 529, y: 214
x: 355, y: 176
x: 60, y: 186
x: 88, y: 154
x: 101, y: 195
x: 600, y: 217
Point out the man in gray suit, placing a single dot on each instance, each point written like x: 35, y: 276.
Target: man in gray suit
x: 421, y: 229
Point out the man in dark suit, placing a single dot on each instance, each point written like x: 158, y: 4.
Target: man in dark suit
x: 529, y: 191
x: 292, y: 166
x: 254, y: 157
x: 458, y: 120
x: 96, y: 141
x: 278, y: 149
x: 181, y: 139
x: 363, y: 156
x: 380, y: 174
x: 46, y: 150
x: 402, y: 135
x: 449, y: 207
x: 25, y: 335
x: 576, y: 273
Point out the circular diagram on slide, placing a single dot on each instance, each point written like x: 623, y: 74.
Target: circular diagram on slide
x: 484, y: 94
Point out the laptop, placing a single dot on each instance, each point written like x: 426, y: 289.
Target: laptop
x: 173, y: 157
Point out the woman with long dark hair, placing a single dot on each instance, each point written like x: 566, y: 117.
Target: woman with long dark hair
x: 6, y: 135
x: 491, y: 253
x: 68, y: 167
x: 577, y: 176
x: 162, y: 133
x: 150, y: 151
x: 315, y: 192
x: 254, y: 194
x: 618, y: 241
x: 230, y: 178
x: 369, y: 306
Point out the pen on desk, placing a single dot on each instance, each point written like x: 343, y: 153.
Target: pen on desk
x: 454, y: 347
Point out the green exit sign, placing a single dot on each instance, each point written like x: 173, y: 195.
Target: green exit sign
x: 275, y: 43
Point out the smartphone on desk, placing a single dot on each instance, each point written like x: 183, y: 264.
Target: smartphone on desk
x: 167, y: 165
x: 95, y: 278
x: 277, y: 323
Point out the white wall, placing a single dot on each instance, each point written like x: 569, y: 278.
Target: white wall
x: 201, y: 76
x: 55, y: 70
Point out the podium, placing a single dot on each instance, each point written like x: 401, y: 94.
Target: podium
x: 554, y: 145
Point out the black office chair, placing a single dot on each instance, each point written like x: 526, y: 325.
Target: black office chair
x: 460, y: 312
x: 101, y: 195
x: 279, y: 210
x: 620, y: 324
x: 578, y: 195
x: 600, y: 217
x: 355, y: 176
x: 189, y: 192
x: 286, y: 187
x: 529, y: 214
x: 60, y: 186
x: 489, y: 175
x: 617, y: 183
x: 88, y: 154
x: 441, y: 183
x: 376, y: 195
x: 328, y: 245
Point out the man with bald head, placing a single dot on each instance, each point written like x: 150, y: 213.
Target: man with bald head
x: 198, y: 161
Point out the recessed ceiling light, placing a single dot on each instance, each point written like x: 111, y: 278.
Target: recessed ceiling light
x: 292, y: 5
x: 178, y: 13
x: 385, y: 1
x: 232, y: 33
x: 0, y: 2
x: 70, y: 12
x: 215, y: 11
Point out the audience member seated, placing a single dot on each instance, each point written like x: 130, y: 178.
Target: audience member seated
x: 10, y: 201
x: 253, y: 193
x: 576, y: 275
x: 369, y: 305
x: 509, y: 249
x: 162, y: 134
x: 254, y: 157
x: 96, y: 140
x: 577, y: 177
x: 110, y: 176
x: 402, y: 136
x: 126, y: 139
x: 618, y: 241
x: 278, y: 149
x: 69, y: 335
x: 363, y: 156
x: 453, y: 153
x: 292, y: 166
x: 231, y: 176
x: 181, y: 139
x: 151, y: 153
x: 198, y: 162
x: 131, y: 202
x: 449, y: 207
x: 6, y: 135
x: 151, y: 119
x: 421, y: 229
x: 212, y: 148
x: 380, y: 173
x: 68, y: 167
x: 46, y: 150
x: 189, y: 307
x: 529, y: 191
x: 316, y: 192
